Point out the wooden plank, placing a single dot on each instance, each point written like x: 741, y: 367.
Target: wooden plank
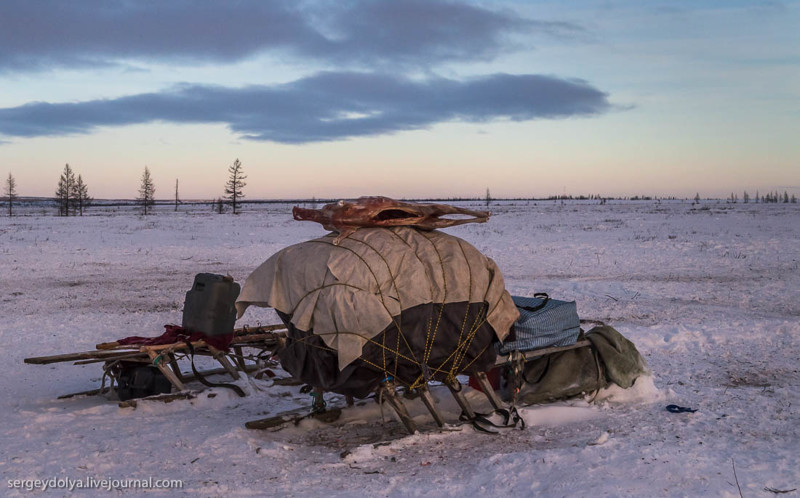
x: 169, y: 374
x: 137, y: 356
x: 535, y: 353
x: 163, y: 398
x: 263, y: 335
x: 488, y: 390
x: 456, y: 390
x: 387, y: 392
x: 223, y: 360
x: 240, y: 364
x: 430, y: 404
x: 90, y: 392
x: 276, y: 422
x: 243, y: 335
x: 85, y: 355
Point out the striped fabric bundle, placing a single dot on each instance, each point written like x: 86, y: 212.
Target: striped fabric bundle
x: 543, y: 323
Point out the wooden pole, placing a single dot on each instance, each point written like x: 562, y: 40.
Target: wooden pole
x: 387, y: 392
x: 169, y: 374
x: 488, y: 390
x: 430, y: 404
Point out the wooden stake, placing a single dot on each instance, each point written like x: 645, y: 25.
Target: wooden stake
x: 430, y: 404
x: 223, y: 360
x: 387, y: 392
x: 169, y: 374
x: 488, y: 390
x: 456, y: 390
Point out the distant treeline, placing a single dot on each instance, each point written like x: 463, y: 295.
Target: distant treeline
x: 51, y: 202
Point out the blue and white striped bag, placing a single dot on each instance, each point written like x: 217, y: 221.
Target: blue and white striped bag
x: 543, y: 323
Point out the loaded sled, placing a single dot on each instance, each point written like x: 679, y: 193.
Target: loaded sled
x: 550, y: 357
x: 383, y: 304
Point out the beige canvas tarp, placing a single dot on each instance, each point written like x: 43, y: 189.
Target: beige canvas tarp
x: 349, y: 293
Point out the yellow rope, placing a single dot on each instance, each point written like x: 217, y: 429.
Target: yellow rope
x: 457, y: 355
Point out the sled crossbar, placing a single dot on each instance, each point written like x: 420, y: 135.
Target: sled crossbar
x: 503, y: 360
x: 163, y: 356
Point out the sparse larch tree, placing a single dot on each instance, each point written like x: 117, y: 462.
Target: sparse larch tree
x: 65, y: 191
x: 233, y: 189
x: 147, y: 191
x: 81, y: 195
x: 488, y: 198
x: 11, y: 192
x: 177, y: 201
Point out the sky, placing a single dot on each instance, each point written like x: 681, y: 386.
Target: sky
x: 404, y: 98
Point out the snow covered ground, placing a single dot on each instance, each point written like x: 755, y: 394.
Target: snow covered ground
x: 709, y: 293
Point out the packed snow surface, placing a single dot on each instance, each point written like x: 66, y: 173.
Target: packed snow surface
x: 709, y: 293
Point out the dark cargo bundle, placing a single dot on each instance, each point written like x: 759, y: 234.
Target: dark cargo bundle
x: 209, y: 305
x: 396, y: 303
x: 135, y: 380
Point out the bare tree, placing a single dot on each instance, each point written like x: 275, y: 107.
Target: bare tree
x: 11, y: 192
x: 147, y: 191
x: 81, y: 195
x: 176, y: 195
x: 233, y: 189
x: 488, y: 198
x: 65, y: 191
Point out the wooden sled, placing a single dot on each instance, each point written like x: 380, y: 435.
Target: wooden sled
x: 266, y: 339
x: 165, y: 357
x: 388, y: 392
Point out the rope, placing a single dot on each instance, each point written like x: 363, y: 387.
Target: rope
x: 399, y: 350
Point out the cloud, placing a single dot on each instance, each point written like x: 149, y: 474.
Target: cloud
x: 37, y: 35
x: 413, y: 30
x: 324, y: 107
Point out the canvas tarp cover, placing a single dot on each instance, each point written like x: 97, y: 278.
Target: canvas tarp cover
x: 350, y: 293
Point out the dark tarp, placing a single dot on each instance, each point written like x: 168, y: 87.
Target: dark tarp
x: 611, y: 358
x: 401, y: 302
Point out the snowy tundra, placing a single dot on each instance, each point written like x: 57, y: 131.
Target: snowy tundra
x: 709, y: 292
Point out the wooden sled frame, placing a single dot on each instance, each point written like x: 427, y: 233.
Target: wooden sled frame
x: 165, y: 356
x: 387, y: 392
x: 269, y: 338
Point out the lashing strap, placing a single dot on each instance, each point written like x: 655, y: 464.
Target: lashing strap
x: 206, y: 382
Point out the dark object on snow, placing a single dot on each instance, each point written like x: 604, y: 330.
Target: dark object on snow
x: 543, y: 323
x: 137, y: 381
x: 680, y: 409
x: 611, y: 358
x: 209, y: 305
x: 346, y: 217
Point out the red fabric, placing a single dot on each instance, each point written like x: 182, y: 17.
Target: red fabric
x: 493, y: 376
x: 175, y: 333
